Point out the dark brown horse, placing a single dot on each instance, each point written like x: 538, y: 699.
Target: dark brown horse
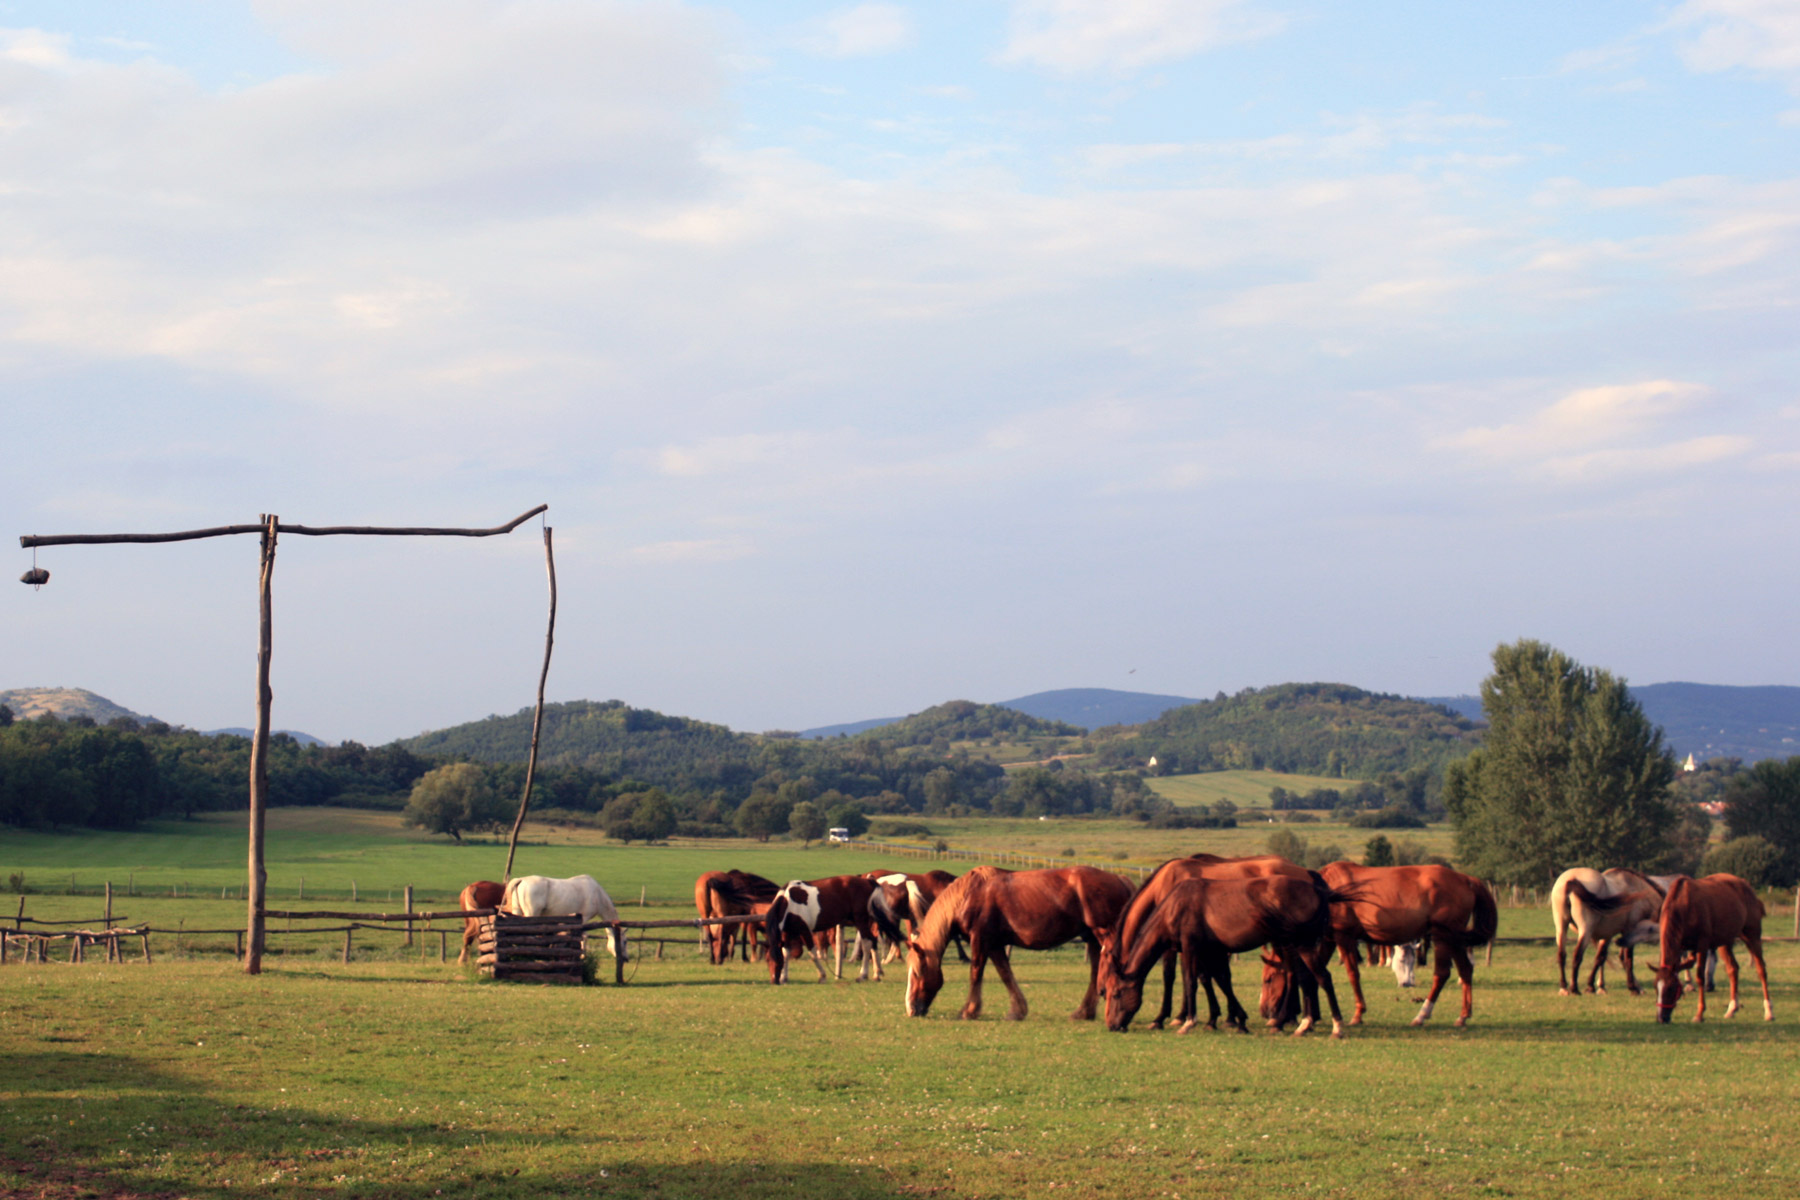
x: 1143, y: 906
x: 1396, y: 905
x: 996, y: 908
x: 732, y: 894
x: 1209, y: 920
x: 805, y: 912
x: 1705, y: 914
x: 483, y: 893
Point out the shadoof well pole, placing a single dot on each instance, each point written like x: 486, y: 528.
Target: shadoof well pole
x: 537, y: 718
x: 269, y: 527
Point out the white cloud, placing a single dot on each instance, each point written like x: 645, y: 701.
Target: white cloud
x: 1586, y: 417
x: 1089, y: 35
x: 860, y: 31
x: 1669, y: 458
x: 1758, y: 35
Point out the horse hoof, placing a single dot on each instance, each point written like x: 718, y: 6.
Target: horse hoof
x: 1461, y: 1022
x: 1337, y: 1030
x: 1185, y: 1027
x: 1566, y: 992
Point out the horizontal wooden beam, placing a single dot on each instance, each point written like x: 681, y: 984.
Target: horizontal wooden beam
x: 188, y: 535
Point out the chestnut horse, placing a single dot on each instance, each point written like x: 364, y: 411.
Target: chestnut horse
x: 1209, y: 920
x: 732, y: 894
x: 996, y: 908
x: 1396, y: 905
x: 804, y: 911
x: 1208, y: 866
x: 1633, y: 921
x: 1704, y: 914
x: 483, y: 893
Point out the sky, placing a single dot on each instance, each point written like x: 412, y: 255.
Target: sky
x: 873, y: 355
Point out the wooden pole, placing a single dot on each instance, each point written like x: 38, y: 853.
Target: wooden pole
x: 443, y: 946
x: 409, y: 937
x: 259, y: 751
x: 618, y: 955
x: 537, y: 718
x: 347, y: 930
x: 109, y: 904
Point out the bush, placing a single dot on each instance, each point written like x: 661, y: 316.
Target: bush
x: 1409, y: 852
x: 1298, y: 816
x: 1394, y: 816
x: 1754, y: 859
x: 1378, y: 852
x: 899, y: 829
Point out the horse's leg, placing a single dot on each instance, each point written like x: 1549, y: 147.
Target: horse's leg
x: 1440, y: 975
x: 1699, y: 985
x: 1085, y: 1010
x: 1347, y: 955
x: 1168, y: 973
x: 1562, y: 960
x: 1309, y: 990
x: 1596, y: 984
x: 1190, y: 982
x: 971, y: 1008
x: 1628, y: 960
x: 1753, y: 947
x: 1581, y: 942
x: 1234, y: 1012
x: 1017, y: 1009
x: 1465, y: 974
x: 1319, y: 959
x: 1731, y: 973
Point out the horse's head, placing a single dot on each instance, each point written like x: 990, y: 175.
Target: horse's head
x: 1405, y: 963
x: 924, y: 978
x: 1279, y: 1003
x: 1123, y: 997
x: 1668, y: 987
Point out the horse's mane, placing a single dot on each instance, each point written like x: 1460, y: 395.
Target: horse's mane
x: 933, y: 933
x: 744, y: 887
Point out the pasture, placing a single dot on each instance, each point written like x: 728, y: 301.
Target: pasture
x: 400, y: 1079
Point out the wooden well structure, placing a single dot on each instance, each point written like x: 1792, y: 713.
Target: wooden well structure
x: 537, y: 949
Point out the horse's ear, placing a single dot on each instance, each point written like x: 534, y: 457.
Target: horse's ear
x: 1687, y: 964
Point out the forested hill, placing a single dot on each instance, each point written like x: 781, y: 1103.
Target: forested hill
x: 964, y: 721
x: 1307, y: 728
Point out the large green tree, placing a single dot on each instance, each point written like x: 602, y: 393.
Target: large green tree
x: 453, y: 799
x: 1765, y: 802
x: 1570, y: 773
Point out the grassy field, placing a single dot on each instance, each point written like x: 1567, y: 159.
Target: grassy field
x: 1246, y: 789
x: 396, y: 1076
x: 399, y: 1079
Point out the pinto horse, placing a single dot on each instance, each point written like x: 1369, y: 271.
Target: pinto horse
x: 900, y: 896
x: 1634, y: 921
x: 803, y: 911
x: 1395, y: 905
x: 543, y: 896
x: 732, y: 894
x: 996, y: 908
x: 1208, y: 866
x: 1209, y: 920
x: 1704, y: 914
x: 483, y: 893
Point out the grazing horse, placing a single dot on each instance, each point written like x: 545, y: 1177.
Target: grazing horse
x: 804, y: 911
x: 900, y: 896
x: 1704, y: 914
x: 543, y: 896
x: 1209, y: 920
x: 1396, y: 905
x: 732, y: 894
x: 996, y: 908
x: 483, y: 893
x: 1209, y: 866
x: 1634, y: 921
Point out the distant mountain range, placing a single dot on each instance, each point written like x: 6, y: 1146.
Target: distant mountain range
x: 66, y: 703
x: 1704, y: 719
x: 1089, y: 708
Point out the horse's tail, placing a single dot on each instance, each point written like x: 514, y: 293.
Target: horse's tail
x: 1582, y: 896
x: 882, y: 914
x: 1486, y: 920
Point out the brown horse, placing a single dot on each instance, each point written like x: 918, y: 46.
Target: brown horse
x: 732, y: 894
x: 1396, y: 905
x: 804, y: 912
x: 996, y: 908
x: 483, y: 893
x: 1208, y: 866
x: 1209, y: 920
x: 1700, y: 915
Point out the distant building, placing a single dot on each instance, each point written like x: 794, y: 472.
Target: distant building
x: 1689, y: 764
x: 1152, y: 761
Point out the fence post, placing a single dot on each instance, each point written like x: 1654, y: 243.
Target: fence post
x: 238, y: 948
x: 109, y: 904
x: 618, y: 955
x: 353, y: 891
x: 347, y: 930
x: 409, y: 935
x: 443, y: 945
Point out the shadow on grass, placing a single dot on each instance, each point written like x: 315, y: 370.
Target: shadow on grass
x: 96, y: 1124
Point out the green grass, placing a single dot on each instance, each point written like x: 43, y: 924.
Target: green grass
x: 1246, y: 789
x: 408, y: 1080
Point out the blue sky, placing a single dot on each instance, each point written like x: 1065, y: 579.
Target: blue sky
x: 871, y: 355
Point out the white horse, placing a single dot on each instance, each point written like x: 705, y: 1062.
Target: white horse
x: 542, y: 896
x: 1632, y: 916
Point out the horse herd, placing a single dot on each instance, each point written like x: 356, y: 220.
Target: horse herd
x: 1197, y: 912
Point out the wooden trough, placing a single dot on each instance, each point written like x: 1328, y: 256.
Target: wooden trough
x: 538, y: 949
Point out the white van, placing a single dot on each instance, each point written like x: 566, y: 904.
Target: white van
x: 840, y: 834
